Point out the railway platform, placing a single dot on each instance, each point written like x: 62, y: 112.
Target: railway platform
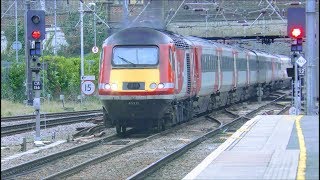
x: 266, y: 147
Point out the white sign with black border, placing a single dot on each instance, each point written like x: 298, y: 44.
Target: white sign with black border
x: 88, y: 78
x: 301, y: 61
x: 88, y: 87
x: 95, y: 49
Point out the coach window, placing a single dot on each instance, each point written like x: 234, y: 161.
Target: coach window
x: 243, y: 64
x: 210, y: 63
x: 230, y: 63
x: 130, y: 2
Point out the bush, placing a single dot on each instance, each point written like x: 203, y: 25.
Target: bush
x: 61, y: 77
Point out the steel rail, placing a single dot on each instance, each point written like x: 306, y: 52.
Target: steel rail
x: 114, y: 153
x: 48, y: 115
x: 30, y: 165
x: 12, y: 129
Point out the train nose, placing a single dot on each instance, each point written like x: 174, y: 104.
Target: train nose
x: 132, y: 111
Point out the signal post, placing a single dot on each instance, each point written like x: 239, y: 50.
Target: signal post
x: 35, y: 34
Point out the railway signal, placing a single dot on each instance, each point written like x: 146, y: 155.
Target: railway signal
x: 35, y: 34
x: 296, y: 27
x: 296, y: 22
x: 36, y: 29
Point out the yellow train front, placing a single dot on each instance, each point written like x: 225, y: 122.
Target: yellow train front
x: 135, y: 82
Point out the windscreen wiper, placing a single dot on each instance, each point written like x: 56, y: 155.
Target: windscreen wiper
x: 127, y: 61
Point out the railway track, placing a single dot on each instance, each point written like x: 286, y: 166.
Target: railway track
x: 27, y: 126
x: 27, y: 167
x: 152, y: 168
x: 40, y: 163
x: 235, y: 119
x: 49, y: 115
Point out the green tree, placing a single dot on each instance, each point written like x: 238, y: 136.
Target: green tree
x: 12, y: 86
x: 9, y: 31
x: 71, y: 27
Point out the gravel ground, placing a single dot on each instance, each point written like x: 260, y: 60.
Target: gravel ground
x: 10, y: 145
x: 125, y: 165
x: 61, y: 132
x: 16, y: 122
x: 175, y: 169
x: 70, y: 161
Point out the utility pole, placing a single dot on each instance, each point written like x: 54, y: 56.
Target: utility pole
x: 95, y: 25
x: 81, y: 46
x: 94, y: 22
x: 16, y: 14
x: 55, y: 28
x: 29, y: 92
x: 310, y: 55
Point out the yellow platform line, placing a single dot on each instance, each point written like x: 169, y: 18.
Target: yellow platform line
x: 303, y: 151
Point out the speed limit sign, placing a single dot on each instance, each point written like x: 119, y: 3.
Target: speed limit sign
x: 88, y: 87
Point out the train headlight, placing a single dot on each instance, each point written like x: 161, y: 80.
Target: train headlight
x: 153, y: 86
x: 160, y: 85
x: 114, y: 86
x: 107, y: 86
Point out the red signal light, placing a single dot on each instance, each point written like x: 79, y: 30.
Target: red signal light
x: 36, y: 34
x: 296, y: 33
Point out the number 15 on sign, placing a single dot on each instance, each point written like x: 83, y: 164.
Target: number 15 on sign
x: 88, y: 87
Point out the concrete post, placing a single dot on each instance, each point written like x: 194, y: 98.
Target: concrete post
x: 310, y: 55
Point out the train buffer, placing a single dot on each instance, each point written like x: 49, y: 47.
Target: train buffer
x: 269, y: 147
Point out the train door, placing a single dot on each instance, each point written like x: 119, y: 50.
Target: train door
x: 219, y: 69
x: 273, y: 70
x: 174, y: 66
x: 248, y: 69
x: 197, y: 75
x: 235, y: 72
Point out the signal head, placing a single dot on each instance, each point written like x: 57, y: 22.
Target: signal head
x: 296, y: 33
x: 35, y: 19
x: 296, y: 22
x: 36, y: 29
x: 36, y: 34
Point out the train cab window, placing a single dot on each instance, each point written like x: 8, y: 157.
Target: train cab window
x: 135, y: 56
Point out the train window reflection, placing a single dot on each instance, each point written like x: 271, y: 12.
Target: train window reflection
x: 135, y: 55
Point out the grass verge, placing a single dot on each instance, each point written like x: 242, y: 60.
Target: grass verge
x: 9, y: 108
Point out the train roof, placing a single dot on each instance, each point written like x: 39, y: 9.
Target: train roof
x: 146, y: 35
x: 134, y: 35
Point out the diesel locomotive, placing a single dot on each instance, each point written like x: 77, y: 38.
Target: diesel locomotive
x: 152, y: 78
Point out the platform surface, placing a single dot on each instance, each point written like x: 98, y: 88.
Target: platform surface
x: 266, y: 147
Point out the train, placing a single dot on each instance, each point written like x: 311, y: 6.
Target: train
x: 154, y: 78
